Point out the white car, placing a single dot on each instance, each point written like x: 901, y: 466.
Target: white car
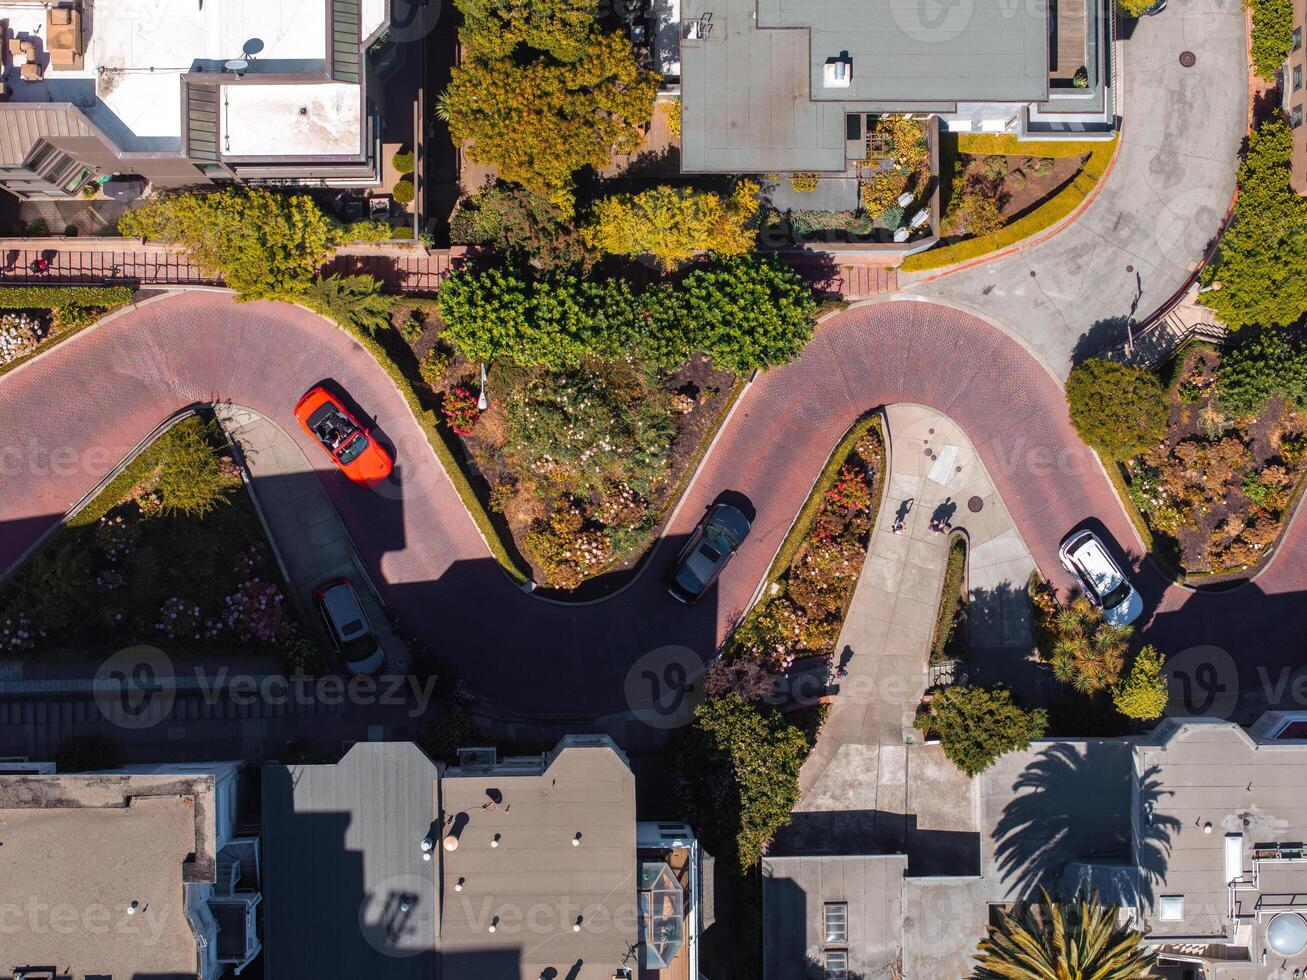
x: 1084, y: 556
x: 347, y: 625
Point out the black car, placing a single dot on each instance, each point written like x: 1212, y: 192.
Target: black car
x: 713, y: 543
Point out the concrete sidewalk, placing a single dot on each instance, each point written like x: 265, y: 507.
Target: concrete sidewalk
x: 865, y: 773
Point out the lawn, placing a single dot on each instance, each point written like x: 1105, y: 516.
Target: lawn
x: 171, y: 552
x: 1217, y: 491
x: 580, y: 466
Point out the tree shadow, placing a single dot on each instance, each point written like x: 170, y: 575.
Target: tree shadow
x: 1101, y: 335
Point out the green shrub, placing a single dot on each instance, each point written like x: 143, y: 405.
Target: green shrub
x: 892, y: 217
x: 70, y: 231
x: 1142, y: 692
x: 528, y: 228
x: 190, y: 479
x: 976, y: 725
x: 38, y: 228
x: 950, y: 597
x: 353, y: 300
x: 402, y: 233
x: 1016, y: 179
x: 1262, y: 365
x: 1272, y: 35
x: 994, y: 167
x: 59, y: 297
x: 403, y: 192
x: 434, y: 366
x: 456, y: 730
x: 1042, y: 166
x: 404, y: 161
x: 1118, y: 409
x: 361, y: 231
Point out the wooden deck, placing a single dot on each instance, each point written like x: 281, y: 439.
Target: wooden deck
x: 1066, y: 49
x: 659, y: 154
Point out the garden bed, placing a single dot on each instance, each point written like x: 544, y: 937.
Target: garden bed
x: 171, y: 552
x: 35, y: 318
x: 580, y: 467
x: 1217, y: 492
x: 950, y: 643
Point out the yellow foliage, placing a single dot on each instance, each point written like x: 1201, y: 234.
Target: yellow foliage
x: 674, y: 223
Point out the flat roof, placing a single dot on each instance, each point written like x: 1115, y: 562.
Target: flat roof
x: 536, y: 883
x: 78, y: 850
x: 347, y: 893
x: 135, y: 54
x: 310, y: 119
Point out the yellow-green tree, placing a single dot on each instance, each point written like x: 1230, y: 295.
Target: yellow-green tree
x: 495, y: 28
x: 674, y: 223
x: 538, y: 119
x: 1142, y: 693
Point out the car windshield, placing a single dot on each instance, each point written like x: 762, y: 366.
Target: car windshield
x: 352, y: 449
x: 359, y: 649
x: 1116, y: 596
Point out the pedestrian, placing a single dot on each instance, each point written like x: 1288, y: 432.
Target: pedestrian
x: 40, y: 266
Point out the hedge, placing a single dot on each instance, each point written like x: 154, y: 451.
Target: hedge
x: 1057, y: 207
x: 1005, y: 144
x: 950, y: 597
x: 58, y: 297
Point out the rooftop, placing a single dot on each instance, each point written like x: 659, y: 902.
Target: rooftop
x: 554, y: 904
x: 79, y: 850
x: 347, y: 891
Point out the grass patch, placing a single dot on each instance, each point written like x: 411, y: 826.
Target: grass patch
x: 1057, y: 207
x: 949, y: 616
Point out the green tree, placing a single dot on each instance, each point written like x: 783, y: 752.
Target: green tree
x: 1272, y: 35
x: 1141, y: 693
x: 674, y: 223
x: 263, y: 245
x: 538, y: 120
x: 976, y: 725
x: 354, y: 301
x: 1135, y: 8
x: 1118, y: 409
x: 1264, y: 364
x: 527, y: 227
x: 1261, y: 258
x: 1077, y: 940
x: 739, y: 773
x: 748, y: 312
x: 497, y: 28
x: 190, y: 479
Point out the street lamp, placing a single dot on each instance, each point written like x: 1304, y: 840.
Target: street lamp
x: 482, y: 402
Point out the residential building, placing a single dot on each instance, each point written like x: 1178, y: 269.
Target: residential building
x: 1295, y: 96
x: 276, y: 91
x: 144, y: 871
x: 790, y: 86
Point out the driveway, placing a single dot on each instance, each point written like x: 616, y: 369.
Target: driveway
x: 69, y: 416
x: 1160, y: 206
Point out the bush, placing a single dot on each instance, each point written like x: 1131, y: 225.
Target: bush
x: 434, y: 366
x: 976, y: 725
x: 1118, y: 409
x: 190, y: 480
x: 994, y: 168
x: 459, y: 407
x: 403, y: 192
x: 804, y: 183
x: 402, y: 233
x: 404, y: 161
x: 447, y: 735
x: 1262, y: 365
x: 1272, y: 35
x: 527, y: 227
x: 1016, y: 179
x: 1142, y: 692
x: 1083, y: 650
x: 38, y: 228
x: 70, y: 231
x: 950, y: 597
x: 892, y: 217
x: 1261, y: 257
x: 673, y: 224
x: 355, y: 301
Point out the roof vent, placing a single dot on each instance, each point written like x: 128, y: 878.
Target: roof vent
x: 838, y: 72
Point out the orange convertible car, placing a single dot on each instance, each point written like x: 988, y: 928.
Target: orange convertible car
x: 349, y: 445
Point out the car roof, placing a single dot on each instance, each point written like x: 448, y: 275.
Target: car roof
x: 1089, y: 553
x: 343, y: 609
x: 732, y: 519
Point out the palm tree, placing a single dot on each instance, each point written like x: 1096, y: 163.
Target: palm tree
x: 1088, y: 653
x: 1078, y: 940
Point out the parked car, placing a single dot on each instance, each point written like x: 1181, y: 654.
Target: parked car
x: 1084, y: 556
x: 347, y: 625
x: 713, y: 544
x: 348, y: 443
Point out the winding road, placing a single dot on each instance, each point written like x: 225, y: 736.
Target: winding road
x: 69, y: 416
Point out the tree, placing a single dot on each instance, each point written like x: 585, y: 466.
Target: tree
x: 1078, y: 940
x: 1261, y: 365
x: 1272, y: 35
x: 1142, y: 692
x: 1118, y: 409
x: 1082, y: 648
x: 976, y: 725
x: 527, y: 227
x: 496, y: 28
x: 1261, y: 258
x: 263, y: 245
x: 739, y: 773
x: 1135, y: 8
x: 749, y: 312
x: 538, y: 120
x: 190, y: 479
x: 354, y: 301
x: 674, y: 223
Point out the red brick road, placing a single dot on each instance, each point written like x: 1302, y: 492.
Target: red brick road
x: 68, y: 417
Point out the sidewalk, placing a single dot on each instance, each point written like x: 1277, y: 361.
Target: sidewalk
x: 868, y: 774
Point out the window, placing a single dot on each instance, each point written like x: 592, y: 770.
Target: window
x: 1170, y: 908
x: 836, y: 963
x: 1295, y: 116
x: 835, y: 922
x: 1297, y: 38
x: 1297, y: 77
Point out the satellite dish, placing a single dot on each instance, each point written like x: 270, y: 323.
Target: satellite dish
x: 237, y: 66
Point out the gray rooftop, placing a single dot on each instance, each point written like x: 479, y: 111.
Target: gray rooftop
x: 342, y: 849
x: 795, y: 893
x: 535, y: 883
x: 753, y: 96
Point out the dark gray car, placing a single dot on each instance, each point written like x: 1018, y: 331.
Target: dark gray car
x: 713, y: 543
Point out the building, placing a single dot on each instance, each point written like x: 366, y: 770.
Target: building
x: 187, y: 94
x: 138, y: 872
x: 788, y: 86
x: 1295, y: 99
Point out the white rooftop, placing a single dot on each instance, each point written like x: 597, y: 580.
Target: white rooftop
x: 136, y: 51
x: 315, y: 119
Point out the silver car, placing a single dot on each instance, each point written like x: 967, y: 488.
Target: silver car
x: 1084, y: 556
x: 347, y: 625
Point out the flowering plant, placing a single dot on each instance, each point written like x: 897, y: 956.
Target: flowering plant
x: 459, y: 406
